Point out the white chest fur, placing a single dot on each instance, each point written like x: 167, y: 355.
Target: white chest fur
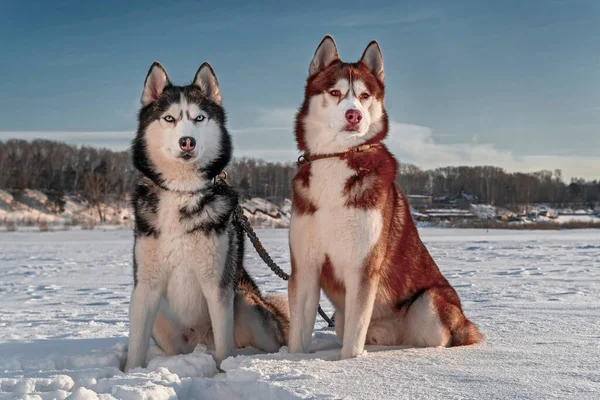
x: 177, y: 245
x: 189, y: 260
x: 343, y: 233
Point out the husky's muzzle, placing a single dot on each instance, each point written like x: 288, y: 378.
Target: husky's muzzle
x: 187, y: 144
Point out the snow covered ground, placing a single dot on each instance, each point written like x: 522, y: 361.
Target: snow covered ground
x: 30, y: 210
x: 536, y: 296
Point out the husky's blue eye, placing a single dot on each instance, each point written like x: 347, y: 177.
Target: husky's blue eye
x: 169, y: 118
x: 200, y: 118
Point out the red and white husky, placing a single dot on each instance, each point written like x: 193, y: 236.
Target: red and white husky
x: 351, y: 232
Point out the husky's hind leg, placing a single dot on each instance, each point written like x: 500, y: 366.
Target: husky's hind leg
x: 170, y: 337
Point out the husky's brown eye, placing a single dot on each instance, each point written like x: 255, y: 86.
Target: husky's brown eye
x: 335, y: 93
x: 365, y: 96
x: 169, y: 118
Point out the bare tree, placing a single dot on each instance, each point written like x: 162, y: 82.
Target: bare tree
x: 96, y: 188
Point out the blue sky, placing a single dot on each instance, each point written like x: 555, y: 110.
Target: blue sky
x: 510, y: 83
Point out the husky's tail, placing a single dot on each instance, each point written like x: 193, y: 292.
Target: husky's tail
x: 466, y: 333
x: 446, y: 301
x: 261, y: 322
x: 278, y: 305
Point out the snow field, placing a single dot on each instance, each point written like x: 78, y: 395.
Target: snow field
x: 63, y: 326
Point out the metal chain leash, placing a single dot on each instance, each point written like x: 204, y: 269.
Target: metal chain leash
x: 244, y: 223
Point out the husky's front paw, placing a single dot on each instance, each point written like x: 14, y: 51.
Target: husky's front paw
x: 129, y: 367
x: 295, y: 348
x: 349, y: 353
x: 221, y: 370
x: 222, y: 357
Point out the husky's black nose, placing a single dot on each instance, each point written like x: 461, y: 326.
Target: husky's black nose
x: 187, y: 143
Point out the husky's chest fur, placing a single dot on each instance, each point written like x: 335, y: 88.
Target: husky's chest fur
x: 344, y: 233
x: 182, y: 221
x: 191, y: 241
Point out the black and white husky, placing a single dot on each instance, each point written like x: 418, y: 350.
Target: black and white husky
x: 190, y: 283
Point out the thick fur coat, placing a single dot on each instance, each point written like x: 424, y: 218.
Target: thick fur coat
x: 351, y: 232
x: 190, y: 283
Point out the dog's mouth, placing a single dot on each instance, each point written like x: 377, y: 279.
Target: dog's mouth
x: 186, y: 155
x: 351, y: 128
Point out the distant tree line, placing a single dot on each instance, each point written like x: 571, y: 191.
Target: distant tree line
x: 56, y: 168
x: 99, y: 174
x: 495, y: 186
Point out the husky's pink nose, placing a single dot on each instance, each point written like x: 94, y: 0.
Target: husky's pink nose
x: 353, y: 117
x: 187, y: 143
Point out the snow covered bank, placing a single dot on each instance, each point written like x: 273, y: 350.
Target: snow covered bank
x: 264, y: 214
x: 63, y: 326
x: 31, y: 210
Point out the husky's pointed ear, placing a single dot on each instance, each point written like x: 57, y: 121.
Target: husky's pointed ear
x: 373, y: 59
x: 325, y: 54
x: 206, y: 80
x: 155, y: 83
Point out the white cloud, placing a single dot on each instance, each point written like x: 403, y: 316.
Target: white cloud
x: 271, y: 137
x: 282, y: 116
x: 416, y: 144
